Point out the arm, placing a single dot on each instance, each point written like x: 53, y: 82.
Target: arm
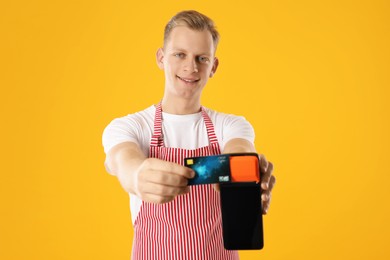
x: 151, y: 179
x: 239, y: 145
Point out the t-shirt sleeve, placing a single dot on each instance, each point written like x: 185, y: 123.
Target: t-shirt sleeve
x: 237, y: 127
x: 120, y: 130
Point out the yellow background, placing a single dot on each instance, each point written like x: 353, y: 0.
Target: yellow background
x: 311, y: 76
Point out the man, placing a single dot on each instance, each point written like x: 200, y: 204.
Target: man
x: 146, y: 151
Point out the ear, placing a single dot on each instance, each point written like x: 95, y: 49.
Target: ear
x: 160, y: 58
x: 215, y: 66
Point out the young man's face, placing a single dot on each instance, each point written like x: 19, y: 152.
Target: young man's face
x: 188, y: 61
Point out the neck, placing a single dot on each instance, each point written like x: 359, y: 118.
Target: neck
x: 180, y: 106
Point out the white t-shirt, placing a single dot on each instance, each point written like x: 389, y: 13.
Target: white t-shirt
x: 180, y: 131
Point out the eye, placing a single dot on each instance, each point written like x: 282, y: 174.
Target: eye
x: 203, y: 59
x: 179, y: 55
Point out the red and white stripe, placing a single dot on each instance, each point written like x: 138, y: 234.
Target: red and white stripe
x: 189, y: 227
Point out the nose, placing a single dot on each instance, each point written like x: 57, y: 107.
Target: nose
x: 191, y: 65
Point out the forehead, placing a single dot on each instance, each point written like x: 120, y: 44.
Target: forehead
x: 184, y: 38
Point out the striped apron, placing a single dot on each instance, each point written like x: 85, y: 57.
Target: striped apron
x: 190, y: 226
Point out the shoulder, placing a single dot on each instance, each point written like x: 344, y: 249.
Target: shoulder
x: 132, y: 127
x: 224, y: 119
x: 230, y: 126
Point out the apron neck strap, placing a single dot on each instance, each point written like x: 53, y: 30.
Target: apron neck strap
x: 158, y: 137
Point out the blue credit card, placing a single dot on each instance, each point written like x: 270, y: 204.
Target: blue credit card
x: 209, y: 169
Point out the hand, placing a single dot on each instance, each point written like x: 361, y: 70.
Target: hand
x: 267, y: 182
x: 159, y: 181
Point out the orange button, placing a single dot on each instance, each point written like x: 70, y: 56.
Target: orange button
x: 244, y: 168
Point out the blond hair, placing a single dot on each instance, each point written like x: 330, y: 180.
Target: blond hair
x: 193, y: 20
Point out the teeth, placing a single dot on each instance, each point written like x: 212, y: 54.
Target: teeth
x: 187, y: 80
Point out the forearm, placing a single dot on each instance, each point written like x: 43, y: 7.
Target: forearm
x: 123, y: 160
x: 239, y: 145
x: 151, y: 179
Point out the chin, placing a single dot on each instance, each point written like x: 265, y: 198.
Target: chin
x: 187, y: 94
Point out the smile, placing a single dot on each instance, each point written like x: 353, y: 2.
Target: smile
x: 188, y: 80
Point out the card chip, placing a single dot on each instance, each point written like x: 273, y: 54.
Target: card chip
x: 190, y: 161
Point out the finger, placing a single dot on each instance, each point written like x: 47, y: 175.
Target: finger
x: 271, y: 185
x: 152, y: 198
x: 265, y: 178
x: 267, y: 195
x: 163, y: 190
x: 263, y: 171
x: 263, y: 163
x: 217, y: 187
x: 160, y: 165
x: 185, y: 190
x: 265, y: 205
x: 164, y: 178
